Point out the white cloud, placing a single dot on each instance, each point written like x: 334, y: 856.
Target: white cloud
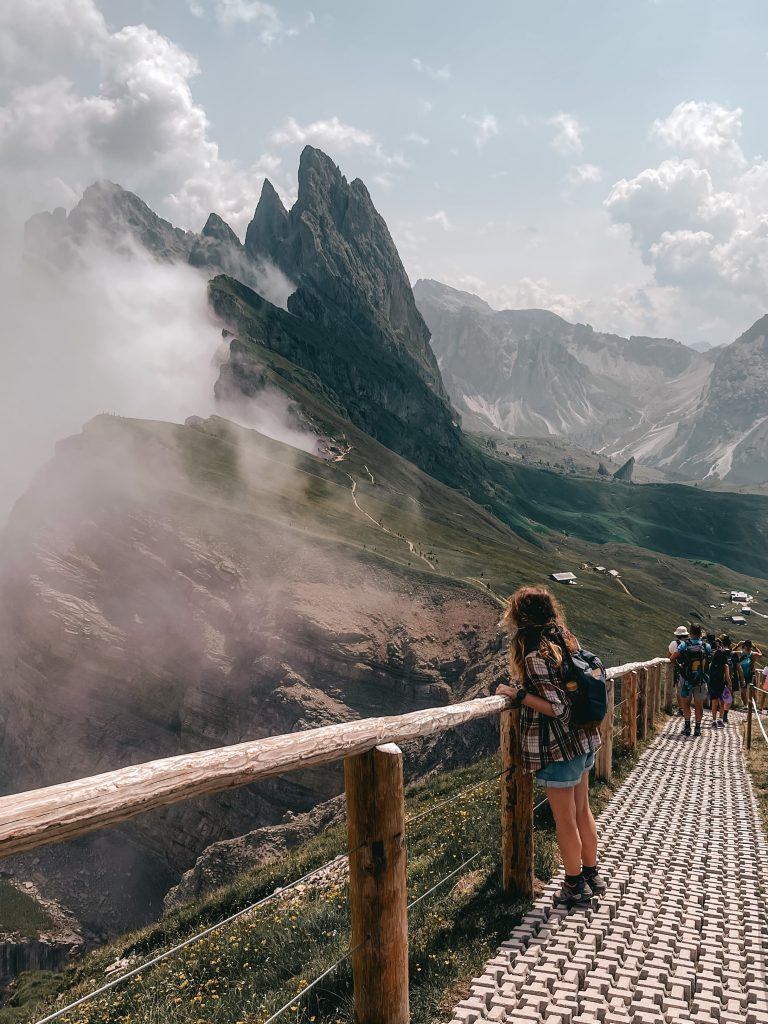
x: 486, y: 128
x: 141, y: 127
x: 331, y: 133
x: 426, y: 106
x: 263, y: 18
x: 700, y: 219
x: 419, y: 140
x: 439, y: 74
x: 34, y: 34
x: 585, y: 174
x: 708, y: 132
x: 384, y: 180
x: 441, y: 219
x: 567, y: 139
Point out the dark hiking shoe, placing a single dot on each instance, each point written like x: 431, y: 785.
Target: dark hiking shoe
x: 577, y: 895
x: 714, y: 724
x: 697, y: 729
x: 687, y: 729
x: 597, y: 884
x: 722, y: 723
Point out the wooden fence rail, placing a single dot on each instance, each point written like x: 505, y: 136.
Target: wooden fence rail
x: 373, y: 772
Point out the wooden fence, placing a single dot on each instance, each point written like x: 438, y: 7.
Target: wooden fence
x: 373, y: 779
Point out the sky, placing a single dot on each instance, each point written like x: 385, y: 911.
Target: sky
x: 601, y: 159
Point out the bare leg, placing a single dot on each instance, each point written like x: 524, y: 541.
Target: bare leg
x: 685, y: 704
x: 585, y: 823
x: 563, y: 804
x: 698, y: 710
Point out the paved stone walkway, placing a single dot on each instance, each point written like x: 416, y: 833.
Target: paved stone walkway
x: 681, y: 934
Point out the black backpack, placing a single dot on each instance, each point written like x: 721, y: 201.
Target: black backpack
x: 584, y: 680
x: 717, y: 670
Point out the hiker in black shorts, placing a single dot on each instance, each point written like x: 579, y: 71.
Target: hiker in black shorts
x: 719, y: 681
x: 693, y: 655
x: 737, y: 676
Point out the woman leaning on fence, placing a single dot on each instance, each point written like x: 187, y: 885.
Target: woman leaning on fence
x: 558, y: 752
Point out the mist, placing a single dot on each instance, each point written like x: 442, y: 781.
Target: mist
x: 115, y: 331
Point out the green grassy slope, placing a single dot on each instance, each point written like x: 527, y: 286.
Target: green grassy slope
x: 453, y: 539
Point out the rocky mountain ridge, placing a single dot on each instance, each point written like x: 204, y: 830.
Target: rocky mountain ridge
x: 698, y: 415
x: 530, y: 372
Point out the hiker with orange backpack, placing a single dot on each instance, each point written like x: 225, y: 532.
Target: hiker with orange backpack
x: 692, y: 658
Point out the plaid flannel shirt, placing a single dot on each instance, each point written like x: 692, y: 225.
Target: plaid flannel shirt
x: 545, y: 739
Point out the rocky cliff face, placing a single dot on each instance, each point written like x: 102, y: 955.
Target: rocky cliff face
x: 36, y: 934
x: 726, y: 436
x: 336, y: 246
x: 168, y: 589
x: 531, y: 372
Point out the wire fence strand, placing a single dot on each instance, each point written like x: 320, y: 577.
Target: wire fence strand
x: 759, y: 720
x: 312, y: 984
x: 443, y: 880
x: 114, y: 982
x: 455, y: 799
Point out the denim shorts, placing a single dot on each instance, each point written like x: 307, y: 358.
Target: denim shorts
x: 564, y: 774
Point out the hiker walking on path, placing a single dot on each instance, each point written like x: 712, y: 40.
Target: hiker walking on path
x: 761, y: 697
x: 693, y: 657
x: 748, y: 655
x: 680, y: 634
x: 558, y: 751
x: 737, y: 676
x: 719, y: 683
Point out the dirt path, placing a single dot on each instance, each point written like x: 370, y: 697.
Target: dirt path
x: 380, y: 526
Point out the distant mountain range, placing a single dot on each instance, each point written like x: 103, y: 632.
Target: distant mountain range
x: 530, y: 372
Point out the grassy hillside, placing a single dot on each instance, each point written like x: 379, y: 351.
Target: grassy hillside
x: 427, y: 531
x: 249, y: 968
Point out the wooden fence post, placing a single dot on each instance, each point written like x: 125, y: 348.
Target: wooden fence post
x: 516, y: 811
x: 655, y: 674
x: 749, y: 716
x: 669, y: 688
x: 642, y: 703
x: 604, y: 759
x: 377, y: 885
x: 629, y: 694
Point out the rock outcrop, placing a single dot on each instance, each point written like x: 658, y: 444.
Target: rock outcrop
x: 42, y: 937
x: 223, y: 861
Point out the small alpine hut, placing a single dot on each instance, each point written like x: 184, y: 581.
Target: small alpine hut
x: 564, y: 577
x: 738, y: 620
x: 615, y: 573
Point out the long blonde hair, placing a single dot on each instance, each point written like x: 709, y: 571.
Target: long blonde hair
x: 534, y: 621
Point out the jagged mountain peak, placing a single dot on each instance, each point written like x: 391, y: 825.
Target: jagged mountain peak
x: 269, y: 225
x: 218, y: 229
x: 337, y: 248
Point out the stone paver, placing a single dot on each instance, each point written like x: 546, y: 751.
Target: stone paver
x: 682, y: 932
